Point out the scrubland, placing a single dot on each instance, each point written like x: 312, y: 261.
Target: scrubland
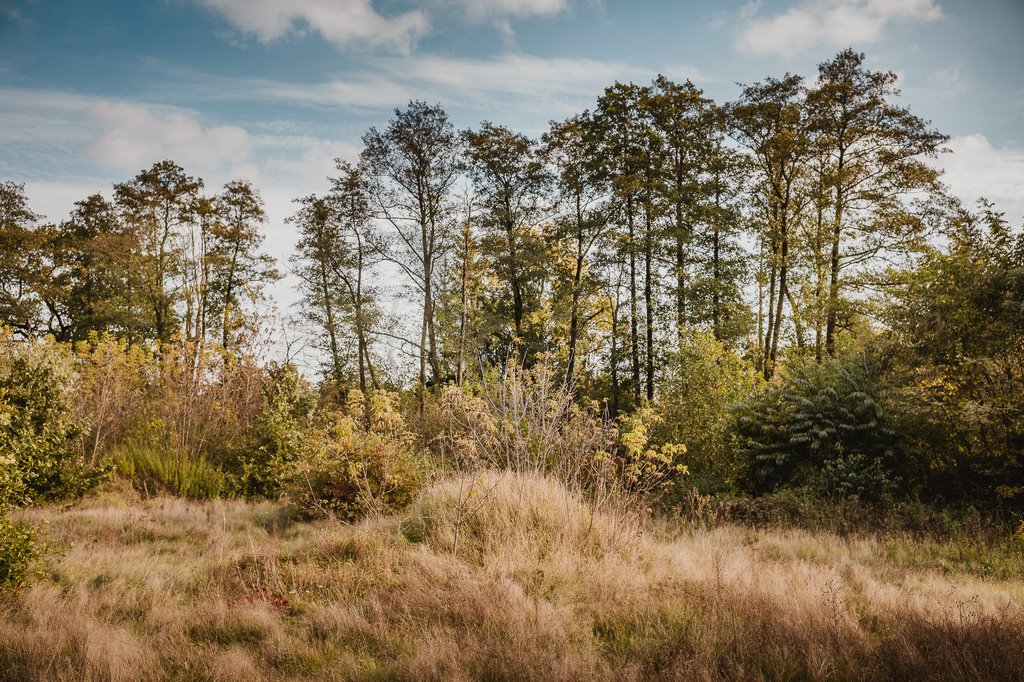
x: 495, y: 576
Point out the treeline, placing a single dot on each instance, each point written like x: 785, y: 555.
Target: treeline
x: 780, y: 282
x: 161, y: 259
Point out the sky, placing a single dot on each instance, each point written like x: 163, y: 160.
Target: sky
x: 93, y: 91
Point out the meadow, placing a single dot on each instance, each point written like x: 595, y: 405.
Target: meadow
x: 496, y: 576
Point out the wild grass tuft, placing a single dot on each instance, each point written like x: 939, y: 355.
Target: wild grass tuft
x: 154, y: 469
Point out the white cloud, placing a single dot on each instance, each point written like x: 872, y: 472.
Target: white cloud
x: 826, y: 22
x: 345, y: 23
x: 555, y: 85
x: 135, y: 135
x: 949, y: 81
x: 481, y: 9
x: 517, y: 74
x: 977, y: 168
x: 41, y: 115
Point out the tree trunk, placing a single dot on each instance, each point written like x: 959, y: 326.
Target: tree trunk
x: 833, y: 285
x: 574, y: 312
x: 634, y: 335
x: 649, y: 301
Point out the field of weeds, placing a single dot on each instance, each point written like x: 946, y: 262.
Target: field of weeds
x: 496, y: 577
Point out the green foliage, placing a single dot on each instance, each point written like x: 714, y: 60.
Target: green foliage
x: 154, y: 469
x: 37, y: 429
x: 856, y: 475
x: 364, y: 464
x: 703, y: 381
x: 821, y: 424
x: 280, y: 434
x: 960, y: 363
x: 647, y: 471
x: 19, y: 550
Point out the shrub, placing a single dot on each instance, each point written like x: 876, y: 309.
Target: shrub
x: 856, y: 475
x: 38, y: 433
x: 363, y: 464
x: 964, y: 428
x: 641, y: 471
x: 704, y: 381
x: 525, y: 422
x: 189, y: 398
x: 113, y: 391
x: 278, y: 435
x: 18, y: 551
x: 822, y: 425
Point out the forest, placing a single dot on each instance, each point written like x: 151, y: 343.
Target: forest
x: 576, y: 388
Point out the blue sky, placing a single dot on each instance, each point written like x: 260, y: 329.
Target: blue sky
x: 93, y: 91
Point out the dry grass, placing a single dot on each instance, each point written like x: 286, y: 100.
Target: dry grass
x: 493, y: 577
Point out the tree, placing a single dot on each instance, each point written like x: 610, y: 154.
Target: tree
x: 94, y: 288
x: 629, y: 150
x: 21, y: 267
x: 769, y: 120
x: 722, y: 268
x: 679, y: 114
x: 583, y: 220
x: 510, y: 179
x: 461, y: 311
x: 158, y: 205
x: 237, y: 269
x: 955, y: 323
x: 315, y: 259
x: 411, y: 167
x: 875, y: 156
x: 702, y: 177
x: 361, y: 250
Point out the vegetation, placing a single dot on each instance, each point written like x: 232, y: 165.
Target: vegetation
x: 693, y: 389
x: 531, y: 585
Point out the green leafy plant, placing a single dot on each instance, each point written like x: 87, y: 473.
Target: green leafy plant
x: 363, y: 464
x: 704, y: 380
x: 154, y: 469
x: 38, y: 433
x: 821, y: 424
x: 19, y: 550
x: 279, y: 435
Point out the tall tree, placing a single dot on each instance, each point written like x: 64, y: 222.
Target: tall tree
x: 463, y: 315
x: 682, y: 118
x: 94, y: 287
x: 511, y: 180
x: 20, y: 260
x: 238, y: 270
x: 582, y: 222
x: 623, y: 133
x: 411, y: 167
x: 876, y: 155
x: 319, y: 248
x: 722, y: 265
x: 159, y: 205
x: 770, y: 120
x: 360, y: 250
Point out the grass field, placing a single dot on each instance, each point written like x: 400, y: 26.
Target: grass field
x: 498, y: 577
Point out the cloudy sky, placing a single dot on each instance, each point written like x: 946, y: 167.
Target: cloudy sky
x: 92, y: 91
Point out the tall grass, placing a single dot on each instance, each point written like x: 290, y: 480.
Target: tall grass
x: 527, y: 581
x: 153, y: 469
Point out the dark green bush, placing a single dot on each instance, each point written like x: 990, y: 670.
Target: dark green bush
x: 822, y: 425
